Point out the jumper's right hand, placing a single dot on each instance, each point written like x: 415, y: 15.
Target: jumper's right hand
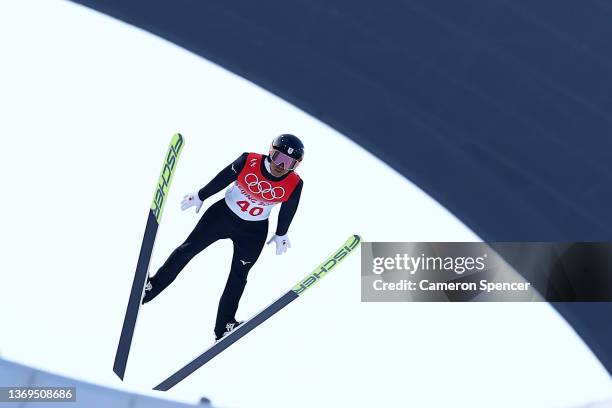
x: 191, y: 200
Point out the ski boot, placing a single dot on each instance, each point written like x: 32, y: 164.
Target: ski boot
x: 229, y: 327
x: 148, y: 295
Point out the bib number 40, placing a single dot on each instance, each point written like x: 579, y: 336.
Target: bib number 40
x: 244, y: 206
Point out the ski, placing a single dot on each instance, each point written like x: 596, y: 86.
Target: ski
x: 262, y: 316
x: 146, y: 249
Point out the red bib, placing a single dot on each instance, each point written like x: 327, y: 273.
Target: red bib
x: 253, y: 195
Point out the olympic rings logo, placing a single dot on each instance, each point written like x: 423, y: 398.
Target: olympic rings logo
x: 263, y: 187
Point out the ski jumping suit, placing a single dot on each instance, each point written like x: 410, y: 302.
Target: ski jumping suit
x: 242, y: 217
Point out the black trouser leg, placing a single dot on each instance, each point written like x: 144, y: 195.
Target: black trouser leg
x: 205, y: 233
x: 247, y: 248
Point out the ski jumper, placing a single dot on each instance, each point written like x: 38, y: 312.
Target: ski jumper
x: 241, y: 216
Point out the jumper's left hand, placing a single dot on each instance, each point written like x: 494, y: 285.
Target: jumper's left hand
x: 282, y: 243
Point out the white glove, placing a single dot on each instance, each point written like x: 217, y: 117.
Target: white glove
x: 282, y: 243
x: 191, y: 200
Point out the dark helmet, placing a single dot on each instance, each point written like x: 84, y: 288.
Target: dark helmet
x: 290, y: 145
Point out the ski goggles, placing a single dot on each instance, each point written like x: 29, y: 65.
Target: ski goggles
x: 281, y: 159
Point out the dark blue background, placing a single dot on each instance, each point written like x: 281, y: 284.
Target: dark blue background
x: 500, y: 110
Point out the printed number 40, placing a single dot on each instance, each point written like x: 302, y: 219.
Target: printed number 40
x: 244, y: 206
